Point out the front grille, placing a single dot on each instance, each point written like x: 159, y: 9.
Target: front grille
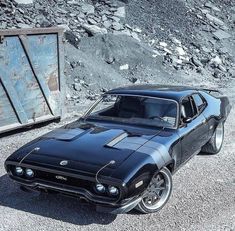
x: 63, y: 179
x: 56, y: 178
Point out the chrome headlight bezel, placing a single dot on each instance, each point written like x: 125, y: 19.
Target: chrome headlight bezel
x: 113, y: 190
x: 100, y: 188
x: 29, y: 173
x: 19, y: 171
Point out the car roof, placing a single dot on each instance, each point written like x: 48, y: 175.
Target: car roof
x: 153, y: 90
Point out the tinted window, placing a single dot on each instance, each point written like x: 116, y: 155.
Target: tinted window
x: 198, y: 100
x: 136, y: 110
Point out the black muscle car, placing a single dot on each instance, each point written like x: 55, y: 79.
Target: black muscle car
x: 122, y: 153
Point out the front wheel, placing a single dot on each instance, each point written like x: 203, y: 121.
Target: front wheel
x: 158, y: 192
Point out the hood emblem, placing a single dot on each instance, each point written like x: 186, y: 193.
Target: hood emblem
x: 64, y: 162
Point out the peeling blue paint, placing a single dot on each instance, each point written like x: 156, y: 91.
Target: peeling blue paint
x: 29, y: 79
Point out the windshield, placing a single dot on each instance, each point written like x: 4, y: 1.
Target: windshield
x: 135, y: 110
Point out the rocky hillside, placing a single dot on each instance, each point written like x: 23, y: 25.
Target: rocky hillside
x: 112, y: 43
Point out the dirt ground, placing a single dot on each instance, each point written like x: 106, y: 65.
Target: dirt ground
x: 203, y: 196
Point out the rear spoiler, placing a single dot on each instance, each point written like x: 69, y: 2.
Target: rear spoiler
x: 211, y: 90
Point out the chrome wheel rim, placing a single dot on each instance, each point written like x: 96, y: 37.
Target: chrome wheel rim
x: 219, y: 136
x: 157, y: 192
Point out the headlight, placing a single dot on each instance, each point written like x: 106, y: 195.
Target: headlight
x: 19, y: 171
x: 29, y: 172
x: 113, y: 190
x: 100, y: 188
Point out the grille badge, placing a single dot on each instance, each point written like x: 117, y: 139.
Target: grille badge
x: 61, y: 178
x: 64, y: 162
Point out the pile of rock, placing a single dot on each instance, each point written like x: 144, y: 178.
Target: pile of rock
x: 209, y: 50
x: 78, y: 17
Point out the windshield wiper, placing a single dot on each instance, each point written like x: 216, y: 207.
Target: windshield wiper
x: 158, y: 117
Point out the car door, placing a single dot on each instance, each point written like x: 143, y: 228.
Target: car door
x: 193, y: 130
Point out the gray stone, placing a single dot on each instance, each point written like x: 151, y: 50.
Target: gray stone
x: 204, y: 11
x: 65, y: 27
x: 124, y: 67
x: 59, y: 20
x: 134, y: 35
x: 176, y: 41
x: 109, y: 59
x: 117, y: 26
x: 137, y: 30
x: 80, y: 16
x: 217, y: 74
x: 222, y: 68
x: 20, y: 10
x: 220, y: 34
x: 232, y: 72
x: 23, y: 25
x: 88, y: 9
x: 73, y: 2
x: 133, y: 79
x: 38, y: 6
x: 121, y: 13
x: 77, y: 87
x: 233, y: 18
x: 107, y: 24
x: 211, y: 6
x: 3, y: 25
x: 196, y: 62
x: 180, y: 51
x: 91, y: 21
x: 19, y: 20
x: 104, y: 18
x: 215, y: 19
x: 72, y: 15
x: 115, y: 18
x: 93, y: 29
x: 216, y: 61
x: 62, y: 11
x: 206, y: 49
x: 24, y: 1
x: 113, y: 9
x: 45, y: 23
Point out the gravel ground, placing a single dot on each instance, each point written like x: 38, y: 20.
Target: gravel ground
x: 203, y: 197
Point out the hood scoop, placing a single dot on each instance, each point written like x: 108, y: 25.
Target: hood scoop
x: 65, y: 134
x: 123, y: 141
x: 116, y: 140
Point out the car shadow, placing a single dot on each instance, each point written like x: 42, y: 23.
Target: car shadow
x: 54, y: 206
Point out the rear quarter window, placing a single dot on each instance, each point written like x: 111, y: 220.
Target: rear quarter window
x: 199, y: 102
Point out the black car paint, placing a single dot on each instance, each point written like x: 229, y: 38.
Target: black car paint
x: 84, y: 145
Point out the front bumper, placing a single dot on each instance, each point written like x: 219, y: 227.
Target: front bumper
x: 119, y: 209
x: 101, y: 206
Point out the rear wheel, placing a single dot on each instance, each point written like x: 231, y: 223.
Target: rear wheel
x: 158, y: 192
x: 215, y: 143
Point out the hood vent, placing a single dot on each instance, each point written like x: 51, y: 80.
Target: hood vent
x: 65, y: 134
x: 116, y: 140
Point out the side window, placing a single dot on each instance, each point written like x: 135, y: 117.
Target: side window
x: 199, y: 102
x: 186, y: 108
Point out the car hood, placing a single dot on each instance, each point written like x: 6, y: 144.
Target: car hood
x: 87, y: 144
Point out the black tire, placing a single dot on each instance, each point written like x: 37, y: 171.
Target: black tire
x: 214, y: 145
x: 144, y: 206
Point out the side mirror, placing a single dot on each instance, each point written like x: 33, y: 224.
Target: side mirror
x: 187, y: 120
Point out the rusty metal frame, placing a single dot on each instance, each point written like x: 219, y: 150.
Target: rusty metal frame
x: 44, y: 88
x: 22, y: 34
x: 31, y: 31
